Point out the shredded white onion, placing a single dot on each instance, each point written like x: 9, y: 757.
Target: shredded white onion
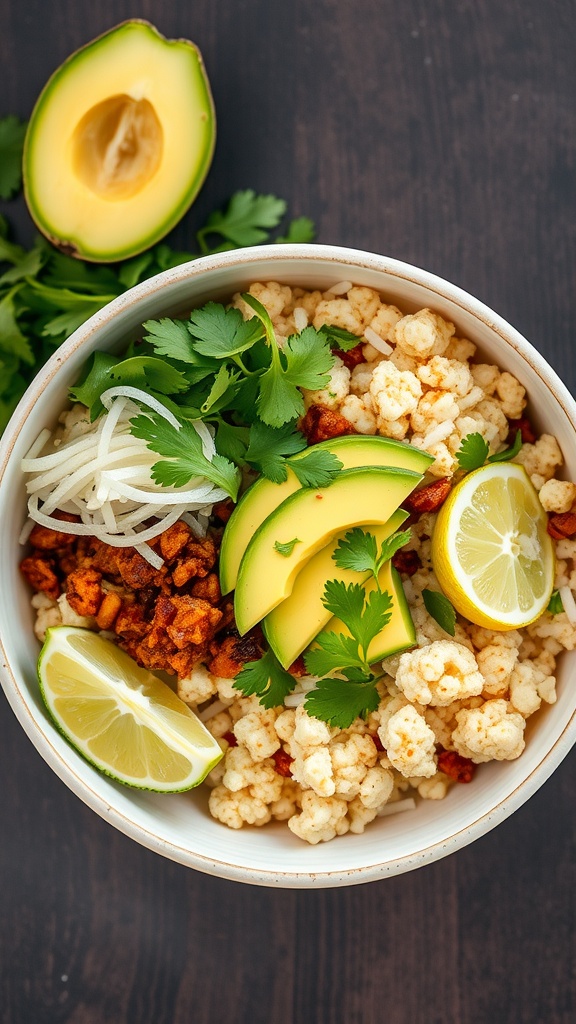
x: 103, y: 475
x: 377, y: 342
x: 340, y: 288
x: 396, y: 806
x: 437, y: 434
x: 212, y: 710
x: 568, y: 602
x: 300, y: 318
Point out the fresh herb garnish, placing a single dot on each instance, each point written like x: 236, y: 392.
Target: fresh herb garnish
x: 287, y: 548
x: 473, y: 451
x: 340, y: 338
x: 508, y: 453
x: 12, y: 132
x: 183, y: 455
x: 439, y: 607
x: 45, y: 296
x: 555, y: 605
x: 359, y: 550
x: 265, y: 679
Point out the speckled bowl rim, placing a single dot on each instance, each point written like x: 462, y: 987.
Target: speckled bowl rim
x: 356, y: 259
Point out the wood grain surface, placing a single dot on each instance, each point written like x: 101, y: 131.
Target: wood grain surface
x: 442, y: 133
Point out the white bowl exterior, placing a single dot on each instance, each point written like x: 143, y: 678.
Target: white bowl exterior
x: 180, y: 827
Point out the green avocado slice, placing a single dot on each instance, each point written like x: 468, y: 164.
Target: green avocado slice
x: 292, y: 625
x: 303, y: 524
x: 119, y: 143
x: 264, y: 496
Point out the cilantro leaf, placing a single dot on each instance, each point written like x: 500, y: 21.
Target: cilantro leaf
x: 301, y: 229
x: 278, y: 401
x: 106, y: 371
x: 221, y: 391
x: 472, y: 452
x: 508, y: 453
x: 269, y: 445
x: 246, y: 220
x: 308, y: 360
x: 267, y: 679
x: 170, y: 338
x: 339, y: 337
x: 358, y: 551
x: 555, y: 605
x: 317, y: 468
x: 438, y: 606
x: 340, y: 701
x: 12, y: 340
x: 346, y: 601
x: 377, y: 613
x: 334, y: 652
x: 221, y: 332
x: 12, y: 132
x: 287, y: 548
x: 183, y: 455
x: 231, y: 441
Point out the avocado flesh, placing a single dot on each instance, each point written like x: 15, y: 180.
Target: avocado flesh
x: 312, y: 516
x: 399, y: 633
x: 119, y: 143
x: 292, y: 625
x: 264, y: 496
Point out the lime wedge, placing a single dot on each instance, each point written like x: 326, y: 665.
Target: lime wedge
x: 491, y: 551
x: 122, y: 718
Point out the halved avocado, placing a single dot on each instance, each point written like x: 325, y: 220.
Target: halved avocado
x: 119, y: 143
x: 264, y: 496
x: 292, y: 625
x: 303, y: 524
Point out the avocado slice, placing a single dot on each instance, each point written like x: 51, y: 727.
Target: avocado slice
x: 303, y: 524
x: 399, y: 633
x: 264, y: 496
x: 119, y: 143
x: 292, y: 625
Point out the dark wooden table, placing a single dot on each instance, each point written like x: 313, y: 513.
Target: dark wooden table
x: 444, y: 134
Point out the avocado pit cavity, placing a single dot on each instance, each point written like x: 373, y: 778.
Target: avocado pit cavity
x: 117, y: 147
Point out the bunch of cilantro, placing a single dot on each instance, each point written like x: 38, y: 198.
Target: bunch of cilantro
x: 45, y: 295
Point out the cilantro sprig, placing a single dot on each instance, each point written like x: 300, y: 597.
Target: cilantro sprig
x: 265, y: 679
x: 12, y: 132
x: 473, y: 451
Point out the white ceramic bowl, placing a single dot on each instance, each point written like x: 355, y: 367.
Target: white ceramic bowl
x: 179, y: 827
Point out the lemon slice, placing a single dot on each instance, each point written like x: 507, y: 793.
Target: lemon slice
x: 123, y: 719
x: 491, y: 552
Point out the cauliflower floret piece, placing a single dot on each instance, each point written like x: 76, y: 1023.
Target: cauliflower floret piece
x: 321, y: 818
x: 471, y: 398
x: 288, y: 801
x: 260, y: 778
x: 486, y: 376
x: 219, y: 724
x: 541, y: 460
x: 529, y: 686
x: 385, y: 321
x: 361, y: 378
x: 338, y: 313
x: 238, y: 808
x: 423, y: 334
x: 409, y: 743
x: 511, y: 394
x: 376, y: 787
x: 335, y: 392
x: 275, y: 297
x: 489, y: 411
x: 444, y: 462
x: 309, y: 731
x: 442, y: 721
x: 557, y: 627
x: 396, y: 429
x: 257, y: 733
x: 446, y: 375
x: 199, y: 686
x: 395, y: 393
x: 359, y: 815
x: 434, y: 407
x: 402, y: 361
x: 285, y: 724
x: 308, y: 301
x: 314, y: 770
x: 47, y: 615
x: 438, y: 674
x: 351, y: 760
x: 435, y: 788
x: 226, y: 689
x: 482, y: 637
x: 364, y: 301
x: 461, y: 349
x: 496, y: 663
x: 71, y: 618
x: 557, y: 495
x: 358, y: 414
x: 489, y: 733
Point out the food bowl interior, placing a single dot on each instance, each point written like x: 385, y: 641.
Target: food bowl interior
x: 179, y: 826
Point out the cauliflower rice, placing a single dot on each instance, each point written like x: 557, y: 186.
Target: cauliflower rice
x: 450, y: 703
